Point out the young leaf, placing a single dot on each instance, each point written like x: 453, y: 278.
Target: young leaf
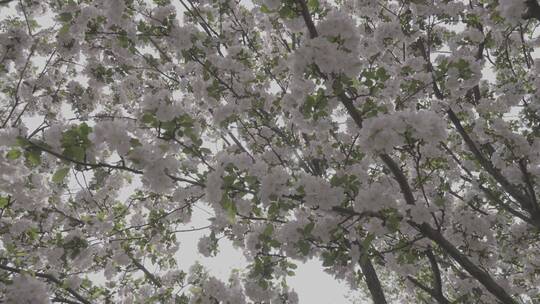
x: 13, y: 154
x: 59, y: 176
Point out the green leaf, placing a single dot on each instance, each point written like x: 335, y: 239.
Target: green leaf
x: 291, y: 265
x: 32, y: 233
x: 65, y: 17
x: 329, y: 259
x: 263, y: 284
x: 265, y: 9
x: 230, y: 207
x: 367, y: 241
x: 59, y: 176
x: 205, y: 151
x: 162, y: 2
x: 134, y: 142
x: 309, y: 227
x: 214, y: 90
x: 313, y: 5
x: 76, y: 153
x: 148, y: 118
x: 439, y: 201
x: 14, y: 154
x: 4, y: 201
x: 287, y: 12
x: 273, y: 210
x: 75, y: 141
x: 228, y: 181
x: 84, y: 129
x: 33, y: 157
x: 22, y: 142
x: 303, y: 247
x: 393, y: 222
x: 337, y: 180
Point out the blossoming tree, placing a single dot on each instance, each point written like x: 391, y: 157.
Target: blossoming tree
x: 398, y: 141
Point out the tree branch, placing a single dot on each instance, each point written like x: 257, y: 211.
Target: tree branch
x: 307, y: 19
x: 524, y: 201
x: 533, y: 10
x: 150, y: 276
x: 479, y: 274
x: 529, y: 183
x: 488, y: 166
x: 370, y: 275
x: 51, y: 279
x: 63, y: 300
x: 436, y: 273
x: 106, y: 165
x: 483, y: 277
x: 17, y: 88
x: 439, y: 298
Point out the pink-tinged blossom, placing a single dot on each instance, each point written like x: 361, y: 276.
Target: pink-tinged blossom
x: 302, y: 133
x: 374, y: 198
x: 512, y: 11
x: 273, y: 183
x: 385, y: 132
x: 206, y: 246
x: 25, y: 289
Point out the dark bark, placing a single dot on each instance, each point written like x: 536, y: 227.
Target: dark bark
x: 533, y: 10
x: 479, y: 274
x: 371, y: 278
x: 438, y: 297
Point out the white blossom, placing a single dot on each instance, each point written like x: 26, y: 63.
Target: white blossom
x: 26, y: 289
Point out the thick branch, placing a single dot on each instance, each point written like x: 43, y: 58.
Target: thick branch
x: 529, y: 182
x: 150, y: 276
x: 63, y: 300
x: 351, y: 109
x: 483, y: 277
x: 533, y: 10
x: 370, y: 275
x: 307, y: 19
x: 479, y: 274
x: 371, y: 278
x: 399, y: 177
x: 436, y: 272
x: 439, y: 298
